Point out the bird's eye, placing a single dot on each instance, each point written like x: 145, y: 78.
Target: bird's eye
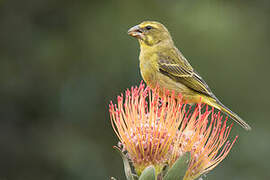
x: 148, y: 27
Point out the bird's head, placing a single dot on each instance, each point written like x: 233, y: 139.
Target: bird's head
x: 150, y: 33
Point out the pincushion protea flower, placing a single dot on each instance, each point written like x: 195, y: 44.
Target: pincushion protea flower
x: 156, y: 131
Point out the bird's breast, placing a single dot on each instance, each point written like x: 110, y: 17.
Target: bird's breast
x: 149, y: 69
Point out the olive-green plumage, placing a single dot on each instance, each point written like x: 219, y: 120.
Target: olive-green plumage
x: 162, y: 64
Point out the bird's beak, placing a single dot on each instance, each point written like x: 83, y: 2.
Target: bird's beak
x: 135, y: 31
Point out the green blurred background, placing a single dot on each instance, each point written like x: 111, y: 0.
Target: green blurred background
x: 61, y: 62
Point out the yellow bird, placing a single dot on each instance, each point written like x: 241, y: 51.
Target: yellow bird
x: 162, y: 64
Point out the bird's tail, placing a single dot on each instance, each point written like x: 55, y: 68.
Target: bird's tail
x: 218, y: 105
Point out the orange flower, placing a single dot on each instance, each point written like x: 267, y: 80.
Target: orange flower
x: 157, y: 130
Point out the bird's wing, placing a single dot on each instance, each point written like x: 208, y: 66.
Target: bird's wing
x: 178, y: 68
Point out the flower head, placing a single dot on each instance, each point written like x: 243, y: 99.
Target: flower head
x: 157, y: 130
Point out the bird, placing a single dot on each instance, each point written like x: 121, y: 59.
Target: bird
x: 163, y: 65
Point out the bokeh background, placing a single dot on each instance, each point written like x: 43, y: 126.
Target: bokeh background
x: 61, y: 62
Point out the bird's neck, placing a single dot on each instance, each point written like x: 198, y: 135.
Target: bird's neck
x: 162, y: 45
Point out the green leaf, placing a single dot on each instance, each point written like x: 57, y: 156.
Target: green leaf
x: 148, y: 173
x: 127, y: 167
x: 179, y: 168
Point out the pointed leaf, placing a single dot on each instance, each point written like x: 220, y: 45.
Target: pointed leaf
x: 179, y: 168
x: 127, y: 167
x: 148, y: 173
